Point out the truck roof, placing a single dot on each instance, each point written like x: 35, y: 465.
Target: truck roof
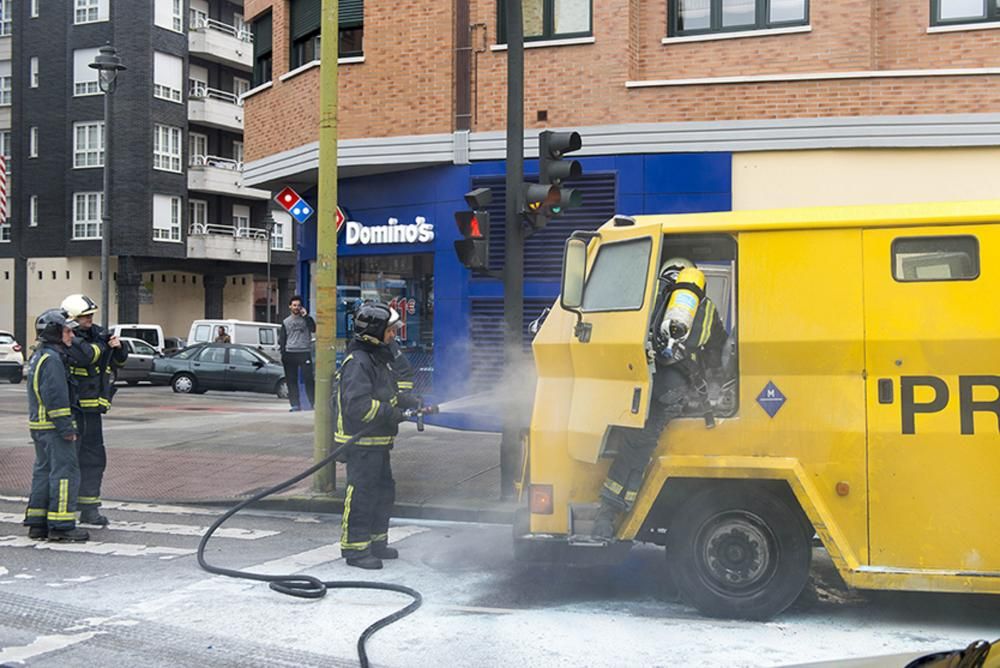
x: 829, y: 217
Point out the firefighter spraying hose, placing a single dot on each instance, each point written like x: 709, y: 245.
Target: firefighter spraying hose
x: 365, y: 536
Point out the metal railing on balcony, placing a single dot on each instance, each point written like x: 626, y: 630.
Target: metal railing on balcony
x: 216, y: 161
x: 202, y: 91
x: 201, y: 22
x: 204, y: 229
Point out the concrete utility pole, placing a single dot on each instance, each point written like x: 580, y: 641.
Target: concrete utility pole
x: 513, y: 268
x: 326, y: 245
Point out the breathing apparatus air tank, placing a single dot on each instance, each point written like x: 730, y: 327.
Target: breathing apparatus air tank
x: 683, y: 304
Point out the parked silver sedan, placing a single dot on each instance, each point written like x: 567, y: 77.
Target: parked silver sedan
x: 139, y: 363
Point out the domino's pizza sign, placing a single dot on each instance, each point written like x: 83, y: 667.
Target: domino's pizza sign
x: 294, y: 204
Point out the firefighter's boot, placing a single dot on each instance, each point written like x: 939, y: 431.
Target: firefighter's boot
x: 38, y: 533
x: 90, y: 515
x: 383, y: 551
x: 68, y: 536
x: 604, y: 524
x: 368, y: 562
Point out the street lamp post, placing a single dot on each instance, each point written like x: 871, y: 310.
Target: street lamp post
x: 108, y: 65
x: 269, y: 226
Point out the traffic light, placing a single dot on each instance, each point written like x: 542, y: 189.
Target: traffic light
x: 473, y: 249
x: 552, y: 170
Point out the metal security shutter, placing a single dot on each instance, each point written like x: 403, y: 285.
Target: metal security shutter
x: 486, y: 334
x: 305, y: 17
x: 543, y: 251
x: 352, y: 13
x: 262, y: 40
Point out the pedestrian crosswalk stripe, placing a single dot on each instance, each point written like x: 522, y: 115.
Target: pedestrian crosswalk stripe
x: 171, y: 529
x: 91, y: 547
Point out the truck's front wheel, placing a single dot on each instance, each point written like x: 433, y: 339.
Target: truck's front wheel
x: 738, y: 551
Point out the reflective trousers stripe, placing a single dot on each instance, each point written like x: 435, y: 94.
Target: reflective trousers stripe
x: 613, y: 487
x: 88, y: 500
x: 36, y: 512
x: 380, y: 538
x: 344, y: 544
x: 61, y: 517
x: 63, y: 494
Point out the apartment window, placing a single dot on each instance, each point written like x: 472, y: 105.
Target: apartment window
x: 261, y: 29
x: 90, y: 11
x: 84, y: 76
x: 166, y: 218
x: 238, y: 151
x: 197, y: 81
x: 169, y: 14
x: 948, y: 12
x: 33, y: 141
x: 5, y: 149
x: 549, y: 19
x: 88, y: 144
x: 33, y: 211
x: 280, y: 238
x: 4, y: 232
x: 240, y: 24
x: 87, y: 209
x: 693, y: 17
x: 198, y: 214
x: 166, y: 148
x: 240, y: 86
x: 5, y: 83
x: 198, y: 14
x: 33, y: 66
x: 241, y: 219
x: 197, y: 147
x: 6, y: 17
x: 305, y: 26
x: 168, y: 77
x: 34, y: 9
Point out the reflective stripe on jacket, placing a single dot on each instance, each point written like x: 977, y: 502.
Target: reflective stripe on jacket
x: 49, y: 392
x: 366, y: 396
x: 91, y: 362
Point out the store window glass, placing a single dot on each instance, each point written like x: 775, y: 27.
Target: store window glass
x: 406, y: 283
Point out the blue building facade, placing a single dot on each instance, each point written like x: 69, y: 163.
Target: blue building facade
x: 398, y: 246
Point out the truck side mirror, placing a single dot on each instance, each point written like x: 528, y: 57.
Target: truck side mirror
x: 573, y: 274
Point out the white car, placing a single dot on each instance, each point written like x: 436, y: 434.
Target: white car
x: 139, y: 363
x: 11, y: 358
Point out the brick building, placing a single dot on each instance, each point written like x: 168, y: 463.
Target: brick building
x: 188, y: 238
x: 683, y: 105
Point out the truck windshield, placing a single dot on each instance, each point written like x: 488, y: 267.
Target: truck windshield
x: 617, y: 281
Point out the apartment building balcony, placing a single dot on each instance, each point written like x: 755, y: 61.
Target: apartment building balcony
x: 226, y: 242
x: 215, y: 108
x: 221, y: 43
x: 222, y: 176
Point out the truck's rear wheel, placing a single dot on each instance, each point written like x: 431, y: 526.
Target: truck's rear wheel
x: 738, y: 551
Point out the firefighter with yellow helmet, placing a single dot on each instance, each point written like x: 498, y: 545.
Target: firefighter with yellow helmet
x: 687, y: 337
x: 92, y: 357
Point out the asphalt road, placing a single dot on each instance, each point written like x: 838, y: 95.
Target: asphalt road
x: 135, y: 596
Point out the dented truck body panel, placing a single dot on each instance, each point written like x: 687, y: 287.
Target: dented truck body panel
x: 868, y: 382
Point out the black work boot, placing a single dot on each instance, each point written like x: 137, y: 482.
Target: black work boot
x: 368, y: 562
x: 90, y: 515
x: 38, y: 533
x: 383, y: 551
x: 68, y: 536
x: 604, y: 523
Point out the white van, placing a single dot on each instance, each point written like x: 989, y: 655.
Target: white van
x: 151, y: 334
x: 262, y: 336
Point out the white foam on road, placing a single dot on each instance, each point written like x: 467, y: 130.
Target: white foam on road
x: 43, y: 645
x: 170, y: 529
x: 91, y: 547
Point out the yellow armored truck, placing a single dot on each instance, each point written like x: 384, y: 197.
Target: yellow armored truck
x: 858, y: 401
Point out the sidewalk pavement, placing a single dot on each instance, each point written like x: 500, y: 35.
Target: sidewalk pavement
x: 219, y: 449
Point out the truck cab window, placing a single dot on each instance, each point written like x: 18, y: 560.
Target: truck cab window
x: 952, y: 258
x: 617, y: 281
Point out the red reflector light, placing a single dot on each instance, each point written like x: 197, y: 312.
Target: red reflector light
x: 16, y: 347
x: 540, y: 501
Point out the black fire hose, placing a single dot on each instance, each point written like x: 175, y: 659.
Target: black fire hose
x: 307, y: 586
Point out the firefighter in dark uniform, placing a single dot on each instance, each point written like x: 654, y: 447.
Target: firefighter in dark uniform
x: 92, y: 359
x: 368, y: 401
x: 51, y: 511
x: 678, y: 378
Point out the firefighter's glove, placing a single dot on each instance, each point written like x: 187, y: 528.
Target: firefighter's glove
x: 408, y: 400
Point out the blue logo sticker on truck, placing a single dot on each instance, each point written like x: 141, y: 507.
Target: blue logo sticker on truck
x: 771, y: 399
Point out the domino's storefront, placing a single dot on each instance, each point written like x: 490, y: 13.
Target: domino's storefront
x: 397, y: 246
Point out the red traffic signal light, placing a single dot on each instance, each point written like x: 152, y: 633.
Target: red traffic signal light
x: 472, y: 223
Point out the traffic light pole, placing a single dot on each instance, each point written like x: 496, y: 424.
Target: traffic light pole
x: 326, y: 248
x: 513, y: 270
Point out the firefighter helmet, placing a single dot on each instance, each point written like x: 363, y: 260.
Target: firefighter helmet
x: 49, y: 325
x: 77, y: 305
x: 672, y: 267
x: 371, y: 321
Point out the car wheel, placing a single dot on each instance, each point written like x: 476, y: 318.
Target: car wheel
x: 281, y: 389
x: 738, y: 551
x: 184, y: 383
x: 14, y: 380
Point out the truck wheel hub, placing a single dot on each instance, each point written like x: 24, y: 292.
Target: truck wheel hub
x: 737, y: 553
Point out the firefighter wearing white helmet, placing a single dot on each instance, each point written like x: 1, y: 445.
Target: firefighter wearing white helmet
x: 687, y: 336
x: 92, y: 359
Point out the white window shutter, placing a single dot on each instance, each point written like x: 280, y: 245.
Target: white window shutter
x: 168, y: 70
x: 82, y: 72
